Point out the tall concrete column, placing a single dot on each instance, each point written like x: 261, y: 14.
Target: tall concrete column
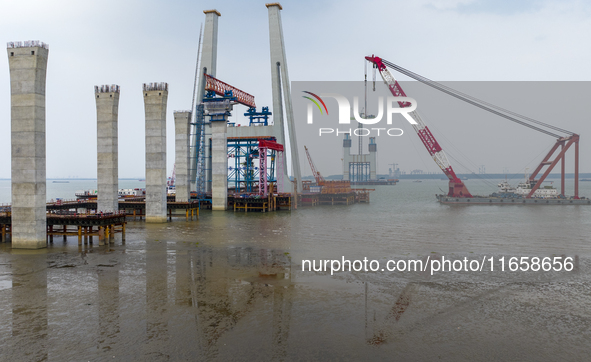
x: 28, y: 68
x: 218, y: 112
x: 107, y: 111
x: 209, y: 51
x: 209, y: 57
x: 373, y: 149
x: 346, y: 156
x: 280, y: 81
x: 155, y: 99
x: 219, y: 178
x: 182, y: 121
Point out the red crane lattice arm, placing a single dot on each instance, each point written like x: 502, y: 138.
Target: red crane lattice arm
x: 456, y: 186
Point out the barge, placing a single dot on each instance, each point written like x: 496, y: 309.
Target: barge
x: 508, y: 195
x: 495, y: 200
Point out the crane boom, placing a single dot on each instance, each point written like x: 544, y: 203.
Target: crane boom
x: 456, y: 186
x: 317, y: 175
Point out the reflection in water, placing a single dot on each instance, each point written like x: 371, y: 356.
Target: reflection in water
x: 224, y: 288
x: 183, y: 279
x: 196, y: 302
x: 29, y: 307
x: 385, y: 326
x: 156, y: 301
x: 282, y: 301
x: 230, y: 283
x: 108, y: 307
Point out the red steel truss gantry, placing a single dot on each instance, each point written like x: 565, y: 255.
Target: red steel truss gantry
x: 265, y: 145
x: 219, y: 87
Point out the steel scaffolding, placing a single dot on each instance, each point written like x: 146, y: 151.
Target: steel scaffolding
x: 243, y: 174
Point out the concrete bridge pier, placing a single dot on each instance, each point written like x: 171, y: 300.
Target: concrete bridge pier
x: 155, y: 101
x: 28, y: 67
x: 219, y: 178
x: 182, y: 121
x: 107, y: 111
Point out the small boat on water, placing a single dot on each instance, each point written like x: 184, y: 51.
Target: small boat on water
x: 61, y: 182
x: 122, y: 193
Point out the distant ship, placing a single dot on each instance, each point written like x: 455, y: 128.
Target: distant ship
x: 122, y: 193
x: 524, y: 188
x: 61, y: 182
x: 585, y: 179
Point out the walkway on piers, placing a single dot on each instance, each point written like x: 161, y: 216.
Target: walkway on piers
x: 103, y: 225
x: 133, y: 207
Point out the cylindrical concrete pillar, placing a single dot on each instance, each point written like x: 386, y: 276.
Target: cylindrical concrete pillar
x: 107, y: 110
x: 182, y: 121
x: 373, y: 149
x: 219, y: 178
x: 155, y: 100
x: 28, y: 67
x: 346, y: 156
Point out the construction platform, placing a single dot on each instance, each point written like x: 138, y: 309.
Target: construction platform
x: 286, y: 201
x: 135, y: 207
x: 61, y: 222
x: 273, y: 202
x: 337, y: 198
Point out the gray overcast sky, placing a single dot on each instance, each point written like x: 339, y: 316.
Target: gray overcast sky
x: 132, y: 42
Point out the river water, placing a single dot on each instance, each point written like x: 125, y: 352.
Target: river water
x: 230, y: 286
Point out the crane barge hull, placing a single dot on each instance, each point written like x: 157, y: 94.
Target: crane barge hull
x: 489, y: 200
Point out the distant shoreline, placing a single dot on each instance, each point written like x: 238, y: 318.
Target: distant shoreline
x: 82, y: 179
x: 434, y: 176
x: 469, y: 176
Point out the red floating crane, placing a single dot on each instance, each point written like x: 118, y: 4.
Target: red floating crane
x: 456, y: 186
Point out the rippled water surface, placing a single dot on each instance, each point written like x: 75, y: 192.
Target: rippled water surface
x: 231, y: 287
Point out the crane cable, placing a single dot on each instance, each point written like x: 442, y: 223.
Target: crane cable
x: 479, y: 103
